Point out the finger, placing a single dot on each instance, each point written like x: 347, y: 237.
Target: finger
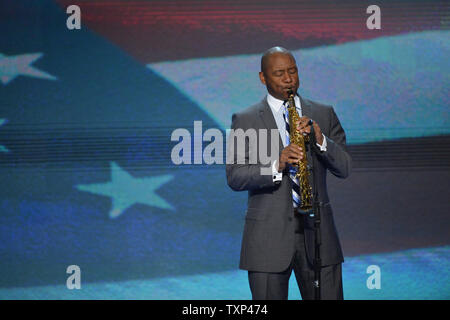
x: 308, y: 123
x: 305, y: 132
x: 293, y: 146
x: 295, y: 153
x: 294, y: 160
x: 296, y: 156
x: 304, y: 126
x: 304, y: 119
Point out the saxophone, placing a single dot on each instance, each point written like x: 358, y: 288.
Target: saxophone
x: 297, y: 138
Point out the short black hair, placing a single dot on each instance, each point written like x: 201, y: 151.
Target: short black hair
x: 271, y: 51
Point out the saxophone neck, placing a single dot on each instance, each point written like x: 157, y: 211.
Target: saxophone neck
x: 291, y: 96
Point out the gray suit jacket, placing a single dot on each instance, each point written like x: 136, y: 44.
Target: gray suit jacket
x: 268, y: 238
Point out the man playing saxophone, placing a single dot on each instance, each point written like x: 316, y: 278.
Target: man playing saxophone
x: 278, y: 235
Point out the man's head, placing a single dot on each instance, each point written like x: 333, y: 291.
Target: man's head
x: 279, y: 72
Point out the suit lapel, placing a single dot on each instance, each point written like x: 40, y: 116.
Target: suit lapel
x: 268, y: 119
x: 306, y: 108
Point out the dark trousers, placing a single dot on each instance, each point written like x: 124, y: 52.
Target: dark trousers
x: 275, y: 286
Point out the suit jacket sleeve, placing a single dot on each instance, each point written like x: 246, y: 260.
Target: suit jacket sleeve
x: 336, y: 158
x: 246, y: 175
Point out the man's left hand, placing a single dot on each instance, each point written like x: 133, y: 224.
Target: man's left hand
x: 304, y: 128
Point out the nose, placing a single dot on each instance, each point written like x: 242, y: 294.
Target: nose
x: 287, y: 78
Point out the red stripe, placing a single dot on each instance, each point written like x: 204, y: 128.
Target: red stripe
x: 155, y: 31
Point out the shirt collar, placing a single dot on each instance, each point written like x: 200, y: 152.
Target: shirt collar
x: 276, y: 104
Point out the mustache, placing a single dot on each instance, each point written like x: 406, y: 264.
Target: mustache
x: 290, y: 89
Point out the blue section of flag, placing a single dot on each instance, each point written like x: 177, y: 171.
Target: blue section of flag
x: 97, y: 115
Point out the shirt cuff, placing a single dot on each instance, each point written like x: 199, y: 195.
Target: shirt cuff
x: 276, y: 176
x: 323, y: 147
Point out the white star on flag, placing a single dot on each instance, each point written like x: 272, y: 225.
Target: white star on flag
x: 126, y: 190
x: 20, y: 65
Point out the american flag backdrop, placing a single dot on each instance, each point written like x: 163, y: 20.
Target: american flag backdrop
x: 86, y: 118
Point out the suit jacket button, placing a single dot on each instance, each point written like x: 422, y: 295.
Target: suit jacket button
x: 289, y: 218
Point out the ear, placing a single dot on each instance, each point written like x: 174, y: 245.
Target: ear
x: 262, y: 78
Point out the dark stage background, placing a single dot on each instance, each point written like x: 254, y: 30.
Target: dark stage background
x: 86, y: 118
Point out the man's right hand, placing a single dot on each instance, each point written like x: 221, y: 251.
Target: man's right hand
x: 291, y: 154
